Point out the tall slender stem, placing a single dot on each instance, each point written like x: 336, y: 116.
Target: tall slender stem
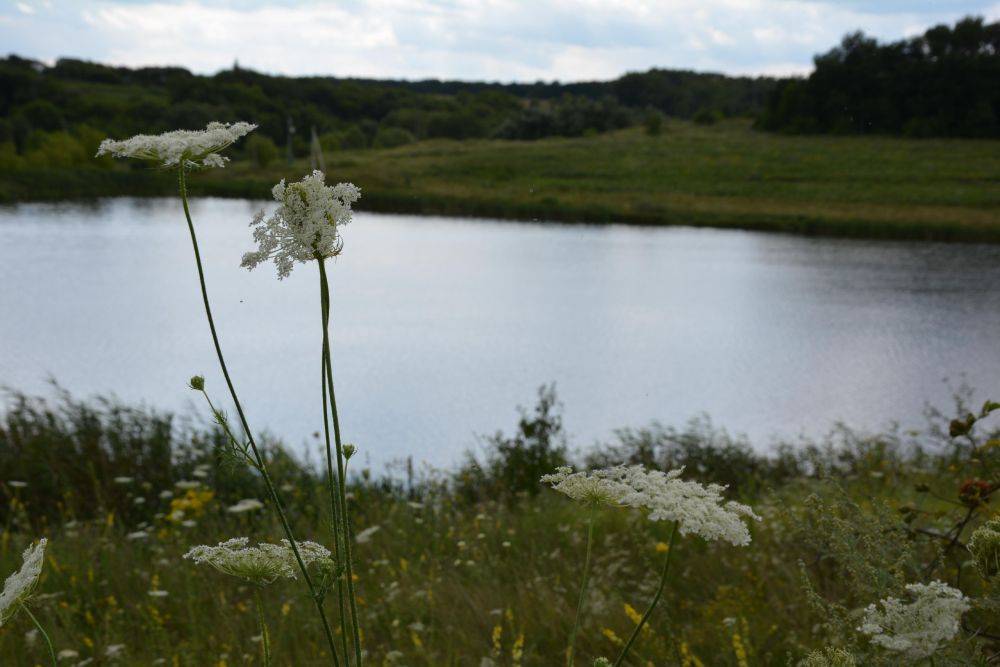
x: 334, y: 495
x: 265, y: 638
x: 583, y: 587
x: 341, y: 476
x: 261, y: 465
x: 656, y: 599
x: 45, y: 635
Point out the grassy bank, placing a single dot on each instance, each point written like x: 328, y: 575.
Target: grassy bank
x: 725, y: 175
x: 459, y: 568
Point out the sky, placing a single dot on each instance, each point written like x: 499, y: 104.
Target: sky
x: 494, y: 40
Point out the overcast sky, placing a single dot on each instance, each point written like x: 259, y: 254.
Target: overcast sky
x: 503, y: 40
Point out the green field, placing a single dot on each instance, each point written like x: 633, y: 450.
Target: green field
x: 725, y: 175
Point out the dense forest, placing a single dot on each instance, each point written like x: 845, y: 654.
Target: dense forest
x: 945, y: 82
x: 58, y: 113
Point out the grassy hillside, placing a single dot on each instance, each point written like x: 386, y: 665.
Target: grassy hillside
x: 725, y: 175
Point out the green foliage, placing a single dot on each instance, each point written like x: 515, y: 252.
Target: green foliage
x: 652, y: 123
x: 392, y: 137
x: 513, y: 465
x: 261, y: 149
x: 835, y: 537
x: 941, y: 83
x: 707, y: 117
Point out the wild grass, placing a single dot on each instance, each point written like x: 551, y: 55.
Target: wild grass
x: 723, y: 175
x: 449, y: 578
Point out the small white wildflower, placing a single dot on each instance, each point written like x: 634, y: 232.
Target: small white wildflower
x: 114, y: 651
x: 166, y: 495
x: 696, y: 508
x: 139, y: 500
x: 594, y: 488
x: 67, y: 654
x: 187, y: 485
x: 185, y: 148
x: 31, y: 636
x: 306, y: 224
x: 366, y: 535
x: 17, y: 484
x: 261, y: 564
x: 137, y: 535
x: 155, y: 593
x: 916, y: 629
x: 189, y: 523
x: 245, y: 505
x: 829, y: 657
x: 18, y: 587
x: 124, y: 480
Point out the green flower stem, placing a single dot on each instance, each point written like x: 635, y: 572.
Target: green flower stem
x: 656, y: 599
x: 261, y: 466
x: 345, y: 519
x: 45, y: 635
x: 583, y: 586
x: 335, y: 507
x: 265, y: 638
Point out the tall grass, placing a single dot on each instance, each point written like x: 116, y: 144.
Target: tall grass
x: 451, y: 579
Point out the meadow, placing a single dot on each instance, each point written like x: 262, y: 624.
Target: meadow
x: 721, y: 175
x: 859, y: 549
x: 471, y: 566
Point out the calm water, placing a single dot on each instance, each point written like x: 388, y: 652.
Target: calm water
x: 443, y: 326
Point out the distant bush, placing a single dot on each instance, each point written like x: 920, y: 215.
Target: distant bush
x: 707, y: 117
x: 513, y: 465
x: 261, y: 150
x: 652, y: 123
x: 391, y: 137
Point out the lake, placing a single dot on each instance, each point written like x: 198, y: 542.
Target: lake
x: 442, y: 326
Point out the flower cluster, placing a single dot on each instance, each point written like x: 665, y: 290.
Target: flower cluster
x: 261, y: 564
x: 185, y: 148
x: 697, y: 508
x: 916, y: 629
x: 829, y: 657
x: 599, y: 487
x: 306, y: 224
x: 985, y: 548
x: 19, y: 586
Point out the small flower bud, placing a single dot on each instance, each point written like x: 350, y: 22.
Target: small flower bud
x: 197, y: 382
x: 349, y: 450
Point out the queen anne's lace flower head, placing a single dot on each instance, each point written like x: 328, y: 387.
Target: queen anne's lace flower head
x: 697, y: 508
x: 261, y: 564
x: 306, y: 225
x: 185, y: 148
x: 985, y: 547
x: 829, y: 657
x: 916, y: 629
x: 590, y: 488
x: 18, y: 587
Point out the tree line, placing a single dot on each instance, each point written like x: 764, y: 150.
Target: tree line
x: 45, y: 109
x: 945, y: 82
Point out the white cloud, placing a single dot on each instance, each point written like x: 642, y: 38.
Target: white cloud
x: 466, y: 39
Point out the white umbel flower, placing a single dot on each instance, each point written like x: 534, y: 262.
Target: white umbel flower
x: 245, y: 505
x: 261, y: 564
x: 599, y: 487
x: 306, y: 225
x: 18, y: 587
x: 186, y: 148
x: 698, y: 509
x: 916, y: 630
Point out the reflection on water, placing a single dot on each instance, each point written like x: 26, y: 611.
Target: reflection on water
x: 442, y: 326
